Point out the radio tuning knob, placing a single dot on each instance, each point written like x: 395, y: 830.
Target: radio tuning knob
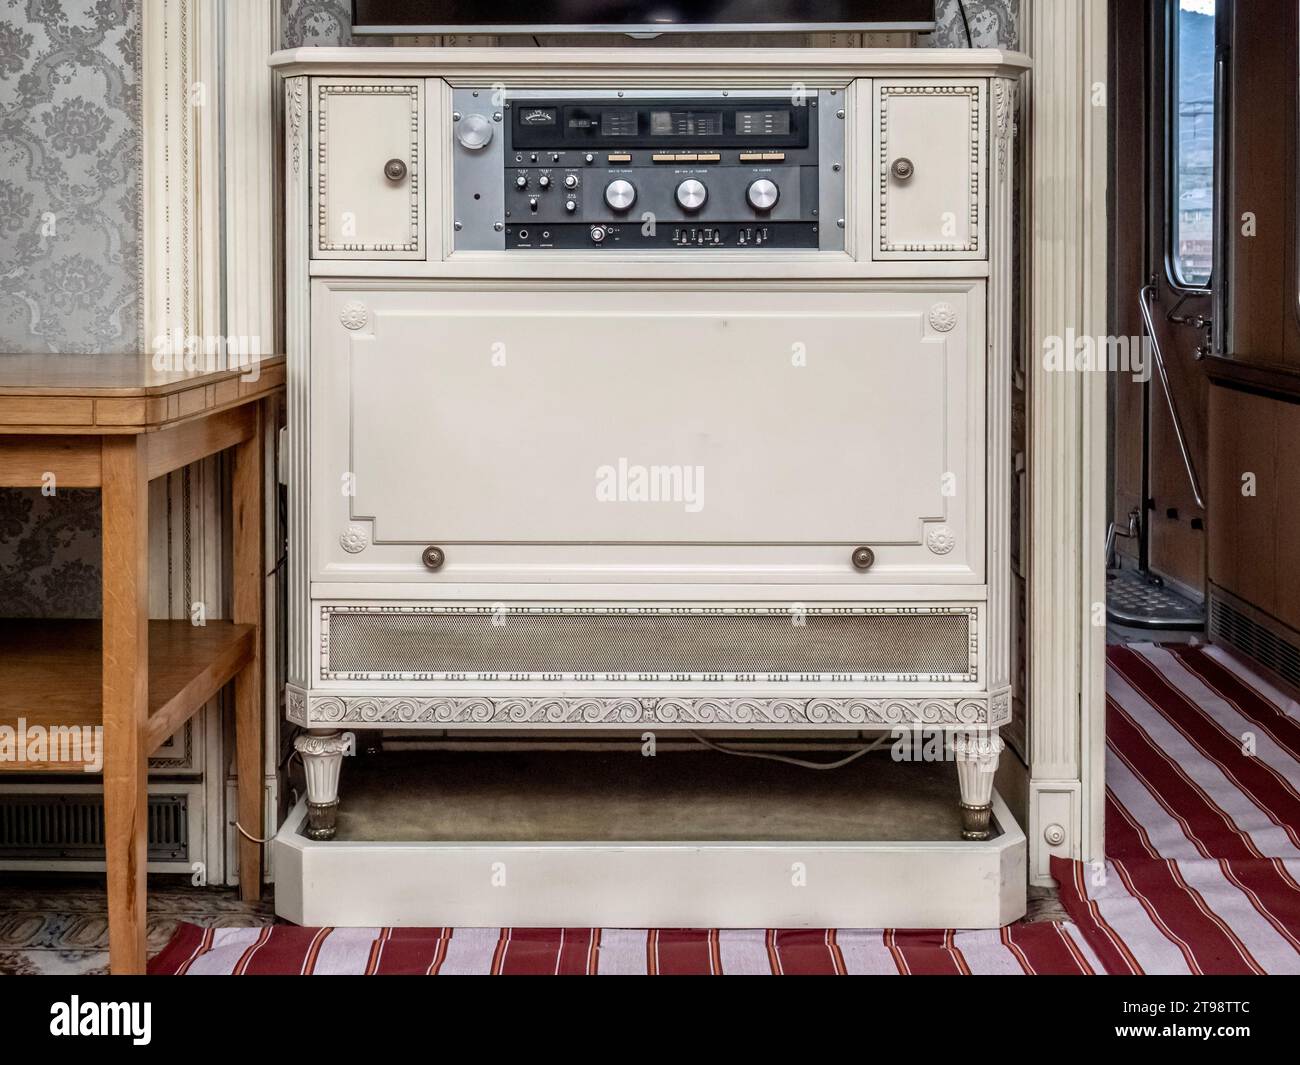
x: 762, y: 194
x: 691, y: 194
x: 474, y: 132
x: 620, y: 194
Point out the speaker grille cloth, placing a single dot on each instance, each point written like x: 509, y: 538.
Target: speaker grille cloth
x: 648, y: 643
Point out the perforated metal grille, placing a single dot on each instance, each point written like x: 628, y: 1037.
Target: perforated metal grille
x: 71, y: 827
x: 1257, y: 636
x: 659, y: 643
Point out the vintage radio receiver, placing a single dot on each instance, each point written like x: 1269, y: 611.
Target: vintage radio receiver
x: 634, y: 170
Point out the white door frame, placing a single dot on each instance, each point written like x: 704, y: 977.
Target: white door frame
x: 1066, y: 241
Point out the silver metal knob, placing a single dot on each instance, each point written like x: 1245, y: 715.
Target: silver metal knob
x: 474, y: 132
x: 394, y: 170
x: 691, y: 194
x: 620, y: 194
x: 571, y: 182
x: 570, y: 205
x: 433, y: 557
x: 544, y: 182
x: 597, y: 234
x: 902, y: 169
x: 521, y: 182
x: 762, y: 194
x: 863, y: 558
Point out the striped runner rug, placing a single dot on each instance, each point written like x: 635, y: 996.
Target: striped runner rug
x: 1202, y: 874
x: 1202, y: 820
x: 1043, y: 948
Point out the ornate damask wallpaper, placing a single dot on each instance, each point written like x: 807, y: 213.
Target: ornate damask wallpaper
x: 993, y: 24
x: 70, y: 161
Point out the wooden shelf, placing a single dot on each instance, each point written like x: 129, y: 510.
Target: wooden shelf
x: 51, y: 675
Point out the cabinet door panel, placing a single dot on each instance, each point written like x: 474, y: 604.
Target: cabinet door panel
x: 930, y: 169
x: 710, y: 435
x: 363, y: 210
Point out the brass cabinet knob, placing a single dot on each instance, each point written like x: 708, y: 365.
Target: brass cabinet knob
x: 395, y: 170
x: 863, y: 558
x: 433, y: 557
x: 903, y: 168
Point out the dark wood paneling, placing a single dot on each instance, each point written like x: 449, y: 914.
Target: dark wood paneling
x: 1128, y: 175
x: 1262, y: 127
x: 1255, y: 539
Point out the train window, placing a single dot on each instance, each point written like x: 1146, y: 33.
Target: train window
x: 1191, y: 142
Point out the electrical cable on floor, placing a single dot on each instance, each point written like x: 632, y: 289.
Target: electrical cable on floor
x: 244, y: 832
x: 786, y: 758
x: 247, y: 836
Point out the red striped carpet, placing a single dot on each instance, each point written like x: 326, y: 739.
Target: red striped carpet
x: 1202, y: 820
x: 1046, y: 948
x: 1202, y: 876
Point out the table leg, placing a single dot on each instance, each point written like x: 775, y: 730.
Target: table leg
x: 248, y: 581
x: 125, y: 509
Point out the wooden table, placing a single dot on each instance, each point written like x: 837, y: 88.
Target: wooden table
x: 115, y: 422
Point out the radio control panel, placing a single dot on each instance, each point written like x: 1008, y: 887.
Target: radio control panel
x: 630, y: 171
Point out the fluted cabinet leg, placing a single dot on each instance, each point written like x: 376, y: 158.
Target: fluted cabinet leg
x: 322, y: 760
x: 977, y: 754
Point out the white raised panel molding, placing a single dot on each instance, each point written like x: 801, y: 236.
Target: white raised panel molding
x: 297, y: 303
x: 1067, y: 432
x: 250, y: 31
x: 210, y: 280
x: 182, y: 301
x: 250, y: 145
x: 1002, y: 279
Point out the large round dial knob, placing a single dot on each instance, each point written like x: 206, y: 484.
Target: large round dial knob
x: 620, y: 194
x: 762, y: 194
x: 691, y: 194
x: 474, y: 132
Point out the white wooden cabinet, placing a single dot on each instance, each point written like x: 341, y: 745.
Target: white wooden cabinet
x: 683, y: 480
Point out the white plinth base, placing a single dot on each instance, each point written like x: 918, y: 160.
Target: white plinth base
x: 652, y: 885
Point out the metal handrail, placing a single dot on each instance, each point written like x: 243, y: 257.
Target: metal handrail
x: 1144, y: 302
